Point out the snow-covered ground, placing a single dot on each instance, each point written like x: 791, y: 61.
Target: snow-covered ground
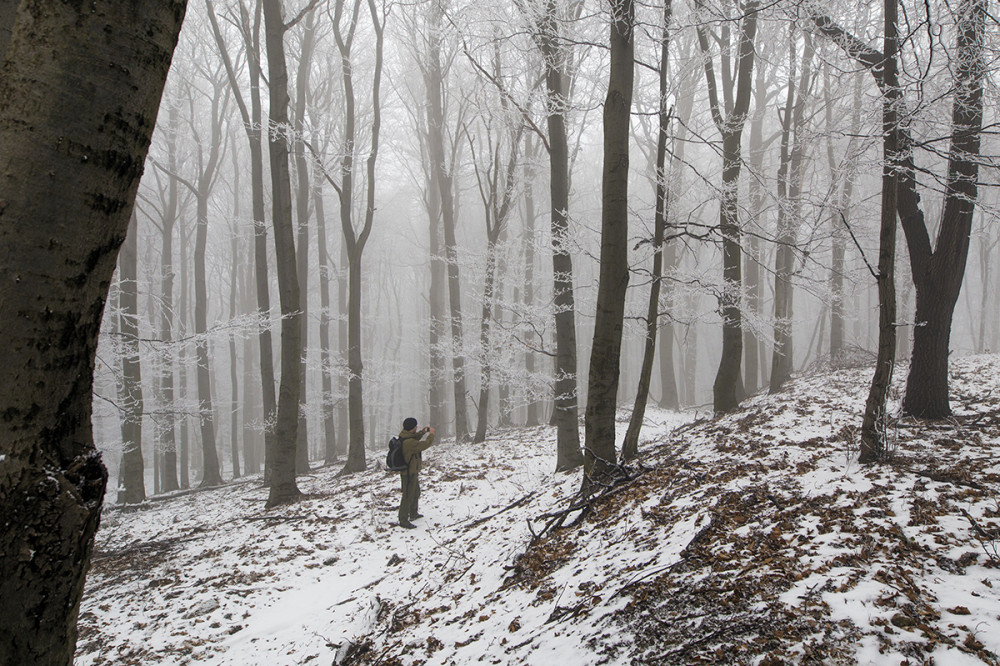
x: 752, y: 538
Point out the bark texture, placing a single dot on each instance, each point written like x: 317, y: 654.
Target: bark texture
x: 283, y: 486
x: 80, y: 86
x: 605, y: 355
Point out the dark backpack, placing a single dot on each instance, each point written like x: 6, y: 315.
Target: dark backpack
x: 394, y: 460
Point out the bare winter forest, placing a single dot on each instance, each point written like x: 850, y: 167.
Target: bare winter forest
x: 242, y: 240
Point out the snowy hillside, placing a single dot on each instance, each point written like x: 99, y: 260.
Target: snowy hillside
x: 753, y: 538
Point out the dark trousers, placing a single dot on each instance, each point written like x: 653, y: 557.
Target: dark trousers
x: 410, y: 484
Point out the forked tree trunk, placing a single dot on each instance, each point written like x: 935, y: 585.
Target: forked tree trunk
x: 938, y: 275
x: 74, y: 134
x: 937, y: 271
x: 728, y: 387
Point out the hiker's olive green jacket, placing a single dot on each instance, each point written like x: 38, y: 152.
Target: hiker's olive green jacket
x: 413, y: 446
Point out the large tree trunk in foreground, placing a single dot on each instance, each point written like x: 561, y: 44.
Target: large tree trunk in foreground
x: 605, y: 355
x: 283, y: 487
x: 73, y: 138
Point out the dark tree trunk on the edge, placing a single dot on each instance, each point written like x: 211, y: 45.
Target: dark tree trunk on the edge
x: 605, y: 355
x: 132, y: 488
x: 63, y: 220
x: 283, y: 486
x: 630, y: 446
x: 565, y: 412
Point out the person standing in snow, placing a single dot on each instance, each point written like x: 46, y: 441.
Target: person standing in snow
x: 414, y: 443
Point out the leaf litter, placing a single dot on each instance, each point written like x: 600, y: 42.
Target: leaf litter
x: 754, y: 538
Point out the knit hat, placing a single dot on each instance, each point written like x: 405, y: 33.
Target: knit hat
x: 409, y: 423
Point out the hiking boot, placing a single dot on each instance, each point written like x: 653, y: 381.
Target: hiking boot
x: 407, y: 524
x: 417, y: 515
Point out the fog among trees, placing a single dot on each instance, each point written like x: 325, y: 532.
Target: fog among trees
x: 488, y: 215
x: 429, y: 230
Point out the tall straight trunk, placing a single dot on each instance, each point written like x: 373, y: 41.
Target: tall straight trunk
x: 74, y: 134
x: 728, y: 387
x: 630, y: 446
x: 435, y: 128
x: 166, y: 439
x: 211, y: 473
x: 252, y: 124
x: 343, y: 378
x: 605, y: 355
x: 565, y: 411
x: 669, y: 367
x: 252, y: 404
x: 789, y: 186
x: 841, y: 216
x: 132, y: 488
x: 302, y: 200
x: 234, y: 298
x: 183, y: 317
x: 325, y: 349
x: 482, y: 416
x: 752, y: 344
x: 283, y: 486
x: 532, y: 408
x: 691, y: 355
x: 873, y: 442
x: 437, y: 394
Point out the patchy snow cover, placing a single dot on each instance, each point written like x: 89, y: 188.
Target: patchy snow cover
x: 752, y: 538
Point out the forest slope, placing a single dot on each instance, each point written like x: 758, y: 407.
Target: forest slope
x: 752, y: 538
